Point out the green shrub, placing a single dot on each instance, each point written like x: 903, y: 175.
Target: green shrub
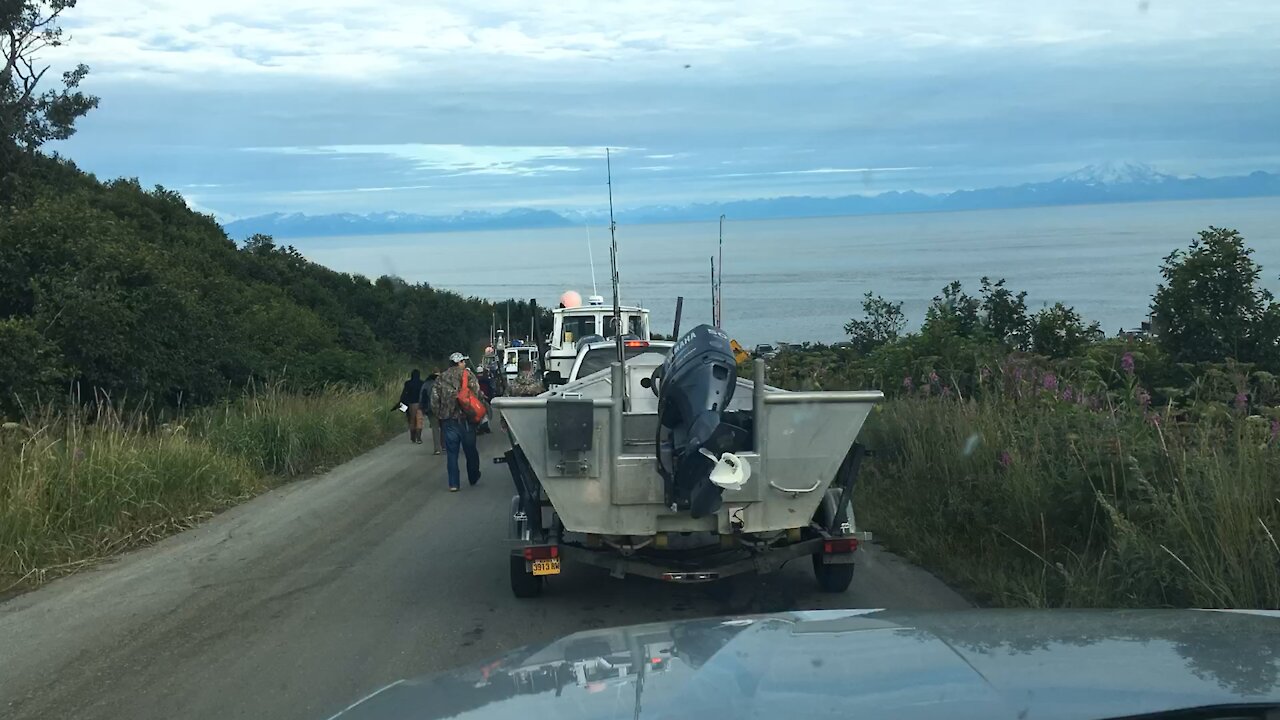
x: 72, y: 491
x: 1036, y: 501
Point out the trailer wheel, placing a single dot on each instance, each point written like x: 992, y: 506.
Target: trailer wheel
x: 524, y: 584
x: 832, y: 578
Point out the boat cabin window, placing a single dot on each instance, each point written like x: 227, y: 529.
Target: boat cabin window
x: 632, y: 325
x: 598, y: 359
x: 577, y: 327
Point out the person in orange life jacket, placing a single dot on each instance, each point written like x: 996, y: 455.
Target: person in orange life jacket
x: 458, y: 431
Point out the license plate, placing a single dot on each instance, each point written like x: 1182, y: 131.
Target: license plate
x: 546, y: 567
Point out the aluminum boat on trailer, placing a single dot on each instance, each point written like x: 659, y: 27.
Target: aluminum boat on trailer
x: 674, y: 468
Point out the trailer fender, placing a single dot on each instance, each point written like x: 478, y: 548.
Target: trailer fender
x: 827, y: 510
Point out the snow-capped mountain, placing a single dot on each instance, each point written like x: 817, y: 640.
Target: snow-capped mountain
x: 1104, y: 183
x: 1117, y: 173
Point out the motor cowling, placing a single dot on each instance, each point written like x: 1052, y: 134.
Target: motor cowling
x: 695, y: 386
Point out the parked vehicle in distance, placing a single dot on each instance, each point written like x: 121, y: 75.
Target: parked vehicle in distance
x: 766, y: 351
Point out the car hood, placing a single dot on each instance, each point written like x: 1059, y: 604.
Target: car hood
x: 867, y: 663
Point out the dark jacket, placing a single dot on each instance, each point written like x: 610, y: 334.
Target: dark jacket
x: 412, y: 390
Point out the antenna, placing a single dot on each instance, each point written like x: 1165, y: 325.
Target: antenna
x: 590, y: 257
x: 613, y: 260
x: 714, y: 320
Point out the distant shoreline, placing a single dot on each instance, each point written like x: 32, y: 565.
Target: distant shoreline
x: 713, y: 220
x: 1088, y: 186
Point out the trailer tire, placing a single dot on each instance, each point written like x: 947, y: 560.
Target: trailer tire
x: 832, y: 578
x: 524, y: 584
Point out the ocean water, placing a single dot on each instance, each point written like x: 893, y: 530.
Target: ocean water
x: 803, y: 279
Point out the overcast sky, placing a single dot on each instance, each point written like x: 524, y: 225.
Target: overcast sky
x: 252, y: 106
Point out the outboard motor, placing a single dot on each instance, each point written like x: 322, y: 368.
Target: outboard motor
x: 694, y: 387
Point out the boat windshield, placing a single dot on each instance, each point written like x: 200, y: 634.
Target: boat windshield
x: 599, y: 358
x: 577, y: 327
x: 632, y: 324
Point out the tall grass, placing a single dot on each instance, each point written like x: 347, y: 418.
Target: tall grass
x: 1031, y: 501
x: 73, y: 489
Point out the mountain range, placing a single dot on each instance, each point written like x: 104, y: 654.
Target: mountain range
x: 1105, y: 183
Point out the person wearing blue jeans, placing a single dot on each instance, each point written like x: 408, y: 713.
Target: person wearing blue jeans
x: 460, y: 434
x: 456, y: 427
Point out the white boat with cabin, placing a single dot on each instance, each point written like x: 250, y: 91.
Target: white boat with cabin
x: 572, y: 327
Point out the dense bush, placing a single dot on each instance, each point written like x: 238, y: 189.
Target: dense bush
x: 1033, y: 462
x: 110, y: 287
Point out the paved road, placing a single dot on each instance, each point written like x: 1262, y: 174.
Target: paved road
x: 303, y: 600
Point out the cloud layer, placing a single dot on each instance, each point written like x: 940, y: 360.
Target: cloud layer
x: 321, y: 105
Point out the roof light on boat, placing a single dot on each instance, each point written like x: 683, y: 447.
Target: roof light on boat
x: 635, y: 343
x: 595, y: 300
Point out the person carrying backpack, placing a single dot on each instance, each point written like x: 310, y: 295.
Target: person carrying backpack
x: 457, y: 405
x: 424, y: 400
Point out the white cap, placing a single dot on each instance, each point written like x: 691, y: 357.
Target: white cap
x: 457, y: 358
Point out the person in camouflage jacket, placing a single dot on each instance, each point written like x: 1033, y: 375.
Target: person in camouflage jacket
x: 525, y: 384
x: 458, y: 431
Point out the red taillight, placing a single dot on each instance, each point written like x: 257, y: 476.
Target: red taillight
x: 636, y: 343
x: 541, y: 552
x: 840, y: 545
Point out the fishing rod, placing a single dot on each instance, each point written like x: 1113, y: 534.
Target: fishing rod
x: 719, y: 297
x: 715, y: 320
x: 613, y: 260
x: 591, y: 257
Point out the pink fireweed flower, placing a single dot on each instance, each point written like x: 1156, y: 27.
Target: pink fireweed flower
x: 1275, y: 430
x: 1241, y: 402
x: 1006, y: 460
x: 1067, y: 395
x: 1050, y: 381
x: 1126, y: 363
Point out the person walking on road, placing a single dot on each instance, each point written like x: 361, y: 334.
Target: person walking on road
x: 424, y: 399
x: 485, y: 380
x: 525, y: 384
x: 457, y: 428
x: 411, y: 398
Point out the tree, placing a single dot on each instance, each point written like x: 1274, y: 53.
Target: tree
x: 1059, y: 332
x: 953, y: 313
x: 883, y: 324
x: 1004, y: 314
x: 1210, y: 306
x: 28, y: 117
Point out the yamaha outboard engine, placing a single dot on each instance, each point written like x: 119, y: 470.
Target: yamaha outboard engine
x: 694, y: 387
